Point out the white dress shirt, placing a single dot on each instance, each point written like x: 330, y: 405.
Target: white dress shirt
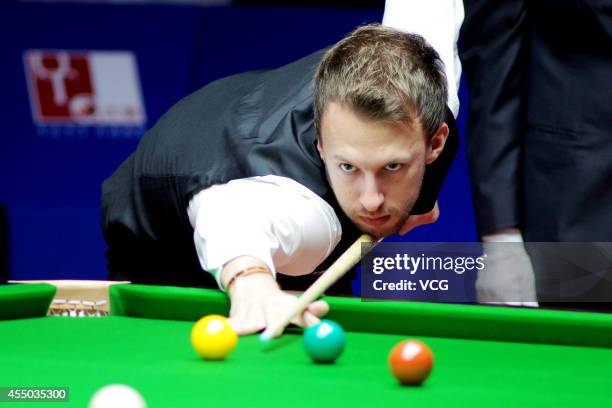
x: 439, y: 22
x: 272, y: 218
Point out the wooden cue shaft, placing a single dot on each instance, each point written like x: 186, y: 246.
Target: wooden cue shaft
x: 341, y: 266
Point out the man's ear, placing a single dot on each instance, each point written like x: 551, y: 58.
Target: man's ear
x: 436, y: 143
x: 320, y: 147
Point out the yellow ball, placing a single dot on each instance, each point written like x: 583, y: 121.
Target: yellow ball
x: 213, y: 338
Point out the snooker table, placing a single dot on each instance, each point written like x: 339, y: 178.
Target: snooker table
x: 485, y: 356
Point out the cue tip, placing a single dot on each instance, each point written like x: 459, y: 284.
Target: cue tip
x: 265, y: 338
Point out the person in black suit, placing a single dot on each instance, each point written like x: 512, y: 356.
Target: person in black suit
x: 539, y: 77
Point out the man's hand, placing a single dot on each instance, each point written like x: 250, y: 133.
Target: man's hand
x: 257, y: 300
x: 414, y: 221
x: 508, y: 276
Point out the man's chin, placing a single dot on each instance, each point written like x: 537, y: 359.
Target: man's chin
x: 381, y: 232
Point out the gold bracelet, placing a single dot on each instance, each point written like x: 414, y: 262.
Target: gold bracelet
x: 247, y: 271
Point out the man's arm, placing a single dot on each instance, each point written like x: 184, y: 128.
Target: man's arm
x: 493, y: 50
x: 262, y: 225
x: 439, y: 23
x: 493, y: 55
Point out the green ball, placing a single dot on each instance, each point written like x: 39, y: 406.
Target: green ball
x: 324, y: 342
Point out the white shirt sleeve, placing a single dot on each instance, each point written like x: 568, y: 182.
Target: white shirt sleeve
x: 272, y: 218
x: 439, y: 22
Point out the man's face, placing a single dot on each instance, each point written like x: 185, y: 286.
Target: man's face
x: 375, y: 168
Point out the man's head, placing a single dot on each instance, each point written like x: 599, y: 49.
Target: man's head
x: 380, y: 101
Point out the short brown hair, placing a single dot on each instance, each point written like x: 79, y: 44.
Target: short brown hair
x: 384, y: 74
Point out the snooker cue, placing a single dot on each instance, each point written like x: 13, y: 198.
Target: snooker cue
x: 341, y: 266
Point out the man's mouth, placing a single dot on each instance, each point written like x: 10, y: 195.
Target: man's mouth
x: 375, y: 221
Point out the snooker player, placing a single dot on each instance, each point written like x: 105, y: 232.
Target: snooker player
x: 268, y: 174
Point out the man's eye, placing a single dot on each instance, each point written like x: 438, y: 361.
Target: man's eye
x: 393, y: 167
x: 347, y: 168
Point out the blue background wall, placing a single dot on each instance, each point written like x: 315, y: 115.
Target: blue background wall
x: 50, y: 182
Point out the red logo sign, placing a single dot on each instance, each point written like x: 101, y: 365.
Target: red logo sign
x: 87, y: 88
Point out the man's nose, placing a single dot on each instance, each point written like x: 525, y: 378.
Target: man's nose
x: 371, y: 196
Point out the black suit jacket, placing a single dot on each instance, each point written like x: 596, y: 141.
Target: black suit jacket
x: 539, y: 78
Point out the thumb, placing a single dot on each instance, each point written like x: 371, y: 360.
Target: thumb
x: 318, y: 308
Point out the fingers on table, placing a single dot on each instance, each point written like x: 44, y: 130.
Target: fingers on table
x: 250, y: 319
